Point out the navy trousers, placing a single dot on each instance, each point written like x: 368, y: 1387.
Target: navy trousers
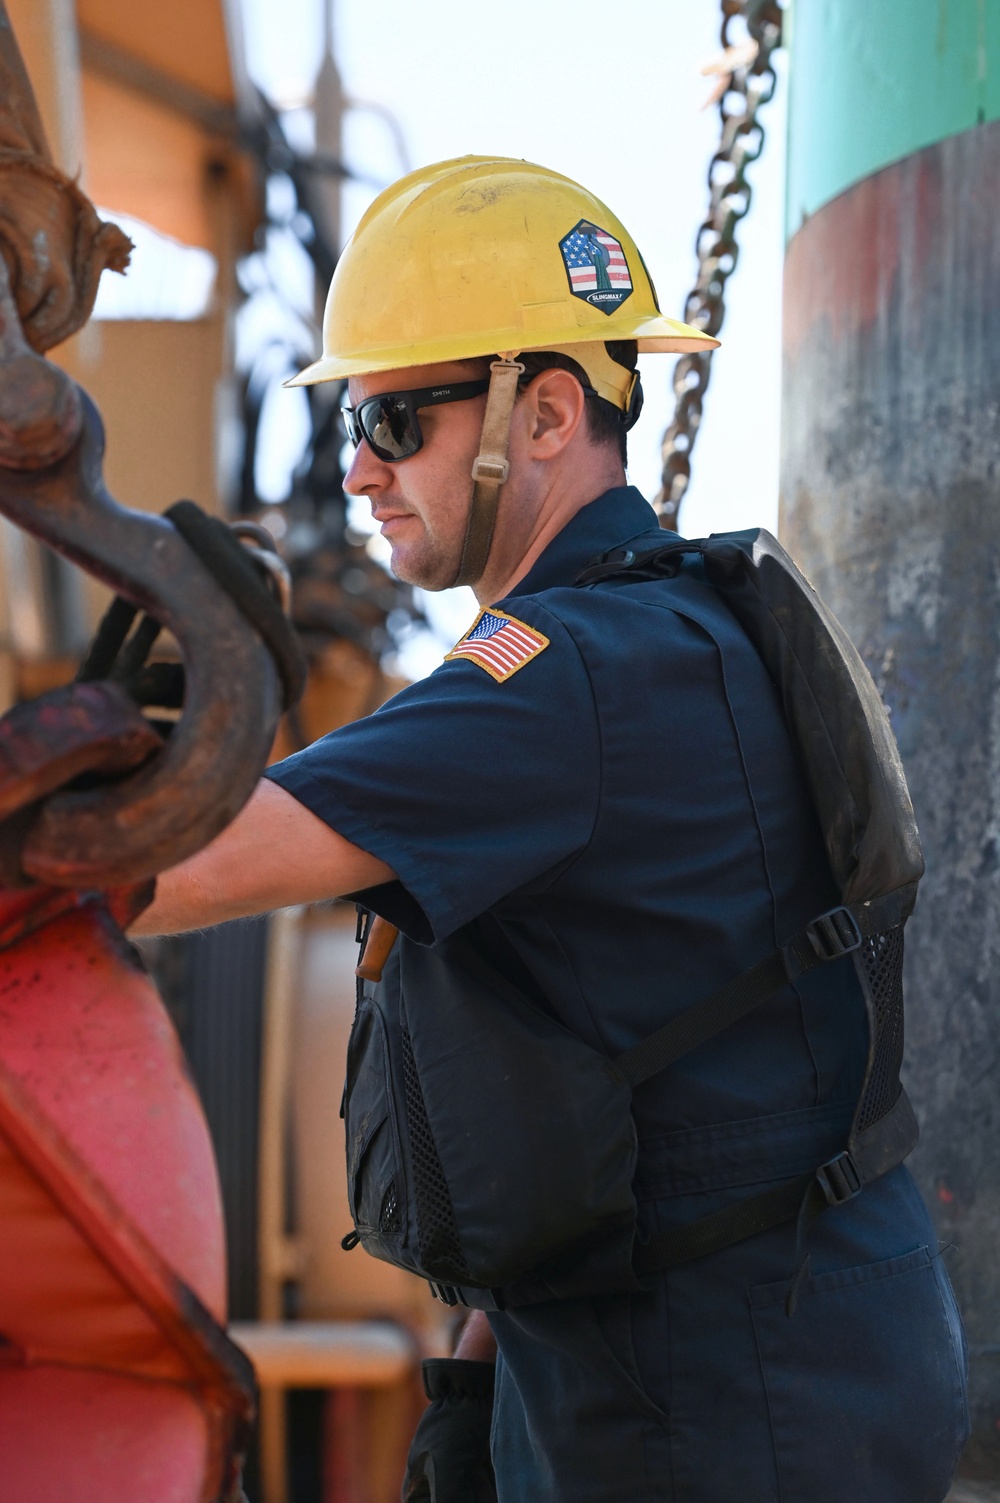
x: 704, y: 1390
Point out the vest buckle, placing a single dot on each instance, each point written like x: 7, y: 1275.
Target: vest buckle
x: 447, y: 1294
x: 840, y: 1179
x: 834, y: 934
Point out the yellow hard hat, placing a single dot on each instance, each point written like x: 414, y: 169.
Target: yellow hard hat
x: 483, y: 255
x: 492, y: 256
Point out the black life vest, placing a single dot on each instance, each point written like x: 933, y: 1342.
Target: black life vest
x: 493, y: 1152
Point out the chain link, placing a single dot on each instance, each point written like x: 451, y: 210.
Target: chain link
x: 750, y: 85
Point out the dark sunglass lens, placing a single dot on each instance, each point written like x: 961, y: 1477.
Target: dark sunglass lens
x: 388, y: 427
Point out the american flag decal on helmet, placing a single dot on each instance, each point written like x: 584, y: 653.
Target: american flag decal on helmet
x: 499, y: 643
x: 596, y: 266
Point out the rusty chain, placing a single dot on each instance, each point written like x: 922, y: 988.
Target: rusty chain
x: 745, y: 85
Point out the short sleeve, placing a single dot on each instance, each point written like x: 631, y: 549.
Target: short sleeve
x: 470, y: 787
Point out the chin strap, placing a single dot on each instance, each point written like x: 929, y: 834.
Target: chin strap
x: 490, y: 469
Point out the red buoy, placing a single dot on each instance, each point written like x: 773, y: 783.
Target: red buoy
x: 117, y: 1380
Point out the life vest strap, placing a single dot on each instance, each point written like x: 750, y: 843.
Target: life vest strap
x: 828, y: 937
x: 805, y: 1198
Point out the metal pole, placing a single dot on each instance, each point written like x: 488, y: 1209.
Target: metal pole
x: 329, y: 111
x: 891, y: 504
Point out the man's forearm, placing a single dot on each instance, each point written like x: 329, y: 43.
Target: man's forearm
x: 476, y: 1343
x: 275, y: 853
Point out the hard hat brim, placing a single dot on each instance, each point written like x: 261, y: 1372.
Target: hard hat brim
x: 658, y: 335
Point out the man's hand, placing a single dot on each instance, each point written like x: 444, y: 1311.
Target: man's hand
x: 275, y: 853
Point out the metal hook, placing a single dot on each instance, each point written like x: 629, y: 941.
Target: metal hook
x: 186, y: 794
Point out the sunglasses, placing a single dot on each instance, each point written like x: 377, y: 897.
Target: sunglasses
x: 388, y: 423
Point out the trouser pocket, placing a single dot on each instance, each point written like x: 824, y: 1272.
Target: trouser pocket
x: 866, y: 1383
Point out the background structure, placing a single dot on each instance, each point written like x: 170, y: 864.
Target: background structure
x: 891, y: 502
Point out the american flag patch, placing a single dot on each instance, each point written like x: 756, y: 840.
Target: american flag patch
x: 596, y: 266
x: 501, y: 644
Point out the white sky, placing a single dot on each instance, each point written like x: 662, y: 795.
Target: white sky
x: 166, y: 280
x: 610, y: 95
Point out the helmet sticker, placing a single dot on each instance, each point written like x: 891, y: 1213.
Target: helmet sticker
x: 596, y: 266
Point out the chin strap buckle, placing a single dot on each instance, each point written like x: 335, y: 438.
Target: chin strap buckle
x: 491, y: 467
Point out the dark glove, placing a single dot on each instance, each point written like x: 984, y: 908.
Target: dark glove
x: 449, y: 1460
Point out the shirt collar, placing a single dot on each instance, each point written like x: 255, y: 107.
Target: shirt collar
x: 609, y: 522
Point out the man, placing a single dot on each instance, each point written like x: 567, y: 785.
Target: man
x: 598, y: 788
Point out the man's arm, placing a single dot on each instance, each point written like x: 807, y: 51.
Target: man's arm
x: 275, y: 853
x: 476, y: 1343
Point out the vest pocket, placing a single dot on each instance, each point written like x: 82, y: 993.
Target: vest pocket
x: 866, y: 1382
x: 374, y: 1182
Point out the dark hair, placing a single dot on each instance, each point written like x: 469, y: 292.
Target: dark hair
x: 605, y: 421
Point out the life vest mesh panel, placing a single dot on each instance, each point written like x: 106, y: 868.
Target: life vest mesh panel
x: 882, y: 959
x: 437, y: 1230
x: 389, y: 1220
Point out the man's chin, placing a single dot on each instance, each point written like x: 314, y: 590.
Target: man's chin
x: 425, y: 573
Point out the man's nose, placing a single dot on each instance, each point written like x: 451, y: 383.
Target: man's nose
x: 366, y: 474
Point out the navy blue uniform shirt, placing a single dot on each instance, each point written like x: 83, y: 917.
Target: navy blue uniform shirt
x: 629, y: 808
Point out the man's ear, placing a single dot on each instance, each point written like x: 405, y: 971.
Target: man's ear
x: 555, y: 409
